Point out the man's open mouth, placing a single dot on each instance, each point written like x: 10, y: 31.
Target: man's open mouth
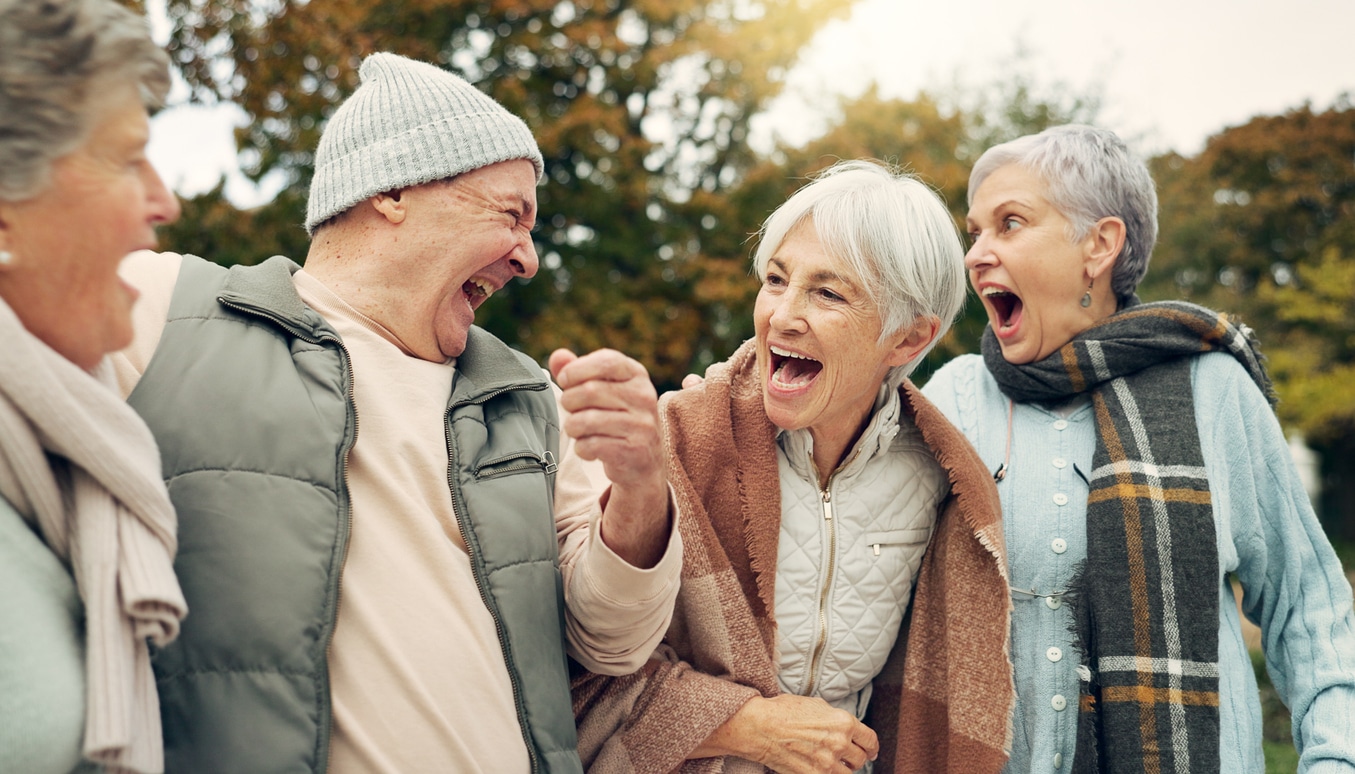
x: 1006, y: 305
x: 791, y: 370
x: 476, y: 291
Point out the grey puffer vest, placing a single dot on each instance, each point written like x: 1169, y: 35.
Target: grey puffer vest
x: 248, y: 395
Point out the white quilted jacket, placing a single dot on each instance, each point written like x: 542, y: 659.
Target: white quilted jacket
x: 848, y: 556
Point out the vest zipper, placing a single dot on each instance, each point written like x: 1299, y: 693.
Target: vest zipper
x: 327, y: 706
x: 513, y: 677
x: 821, y: 642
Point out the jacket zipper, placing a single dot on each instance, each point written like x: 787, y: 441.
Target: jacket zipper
x: 513, y: 677
x: 327, y: 708
x: 821, y: 642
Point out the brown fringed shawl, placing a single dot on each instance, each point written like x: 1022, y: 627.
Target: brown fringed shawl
x: 946, y: 708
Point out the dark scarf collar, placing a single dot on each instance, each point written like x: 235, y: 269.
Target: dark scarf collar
x: 1146, y: 602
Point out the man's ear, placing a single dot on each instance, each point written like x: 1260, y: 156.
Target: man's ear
x: 909, y: 342
x: 391, y: 205
x: 1104, y: 245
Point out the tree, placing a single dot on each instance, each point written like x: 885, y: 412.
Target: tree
x: 1262, y: 224
x: 638, y: 105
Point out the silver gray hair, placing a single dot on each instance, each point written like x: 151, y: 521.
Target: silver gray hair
x: 56, y: 57
x: 1089, y: 174
x: 893, y: 231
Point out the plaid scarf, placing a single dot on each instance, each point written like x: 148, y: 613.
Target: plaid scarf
x: 1147, y: 600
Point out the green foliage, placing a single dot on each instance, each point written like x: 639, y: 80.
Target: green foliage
x: 213, y: 228
x: 639, y: 106
x: 1262, y: 224
x: 1276, y: 740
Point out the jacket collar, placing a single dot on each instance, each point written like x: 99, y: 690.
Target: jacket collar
x: 488, y: 367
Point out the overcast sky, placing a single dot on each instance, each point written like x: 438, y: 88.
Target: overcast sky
x: 1170, y: 72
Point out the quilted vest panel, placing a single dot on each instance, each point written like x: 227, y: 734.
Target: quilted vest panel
x: 264, y: 520
x: 843, y: 583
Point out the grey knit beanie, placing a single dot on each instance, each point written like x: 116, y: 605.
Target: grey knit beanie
x: 409, y: 123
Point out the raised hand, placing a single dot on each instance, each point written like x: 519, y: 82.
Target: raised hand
x: 614, y: 418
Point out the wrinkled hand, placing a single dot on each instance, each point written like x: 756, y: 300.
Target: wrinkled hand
x: 614, y: 418
x: 796, y: 735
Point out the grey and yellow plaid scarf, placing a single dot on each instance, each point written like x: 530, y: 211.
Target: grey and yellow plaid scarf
x: 1147, y: 600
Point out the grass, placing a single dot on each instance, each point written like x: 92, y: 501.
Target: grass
x: 1281, y: 757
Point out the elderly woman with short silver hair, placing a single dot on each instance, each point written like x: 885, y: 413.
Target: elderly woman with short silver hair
x: 812, y: 478
x: 87, y: 533
x: 1140, y: 467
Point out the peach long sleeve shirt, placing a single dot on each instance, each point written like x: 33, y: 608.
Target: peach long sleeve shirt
x: 417, y: 676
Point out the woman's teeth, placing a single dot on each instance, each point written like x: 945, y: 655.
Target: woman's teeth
x: 788, y: 353
x: 791, y: 369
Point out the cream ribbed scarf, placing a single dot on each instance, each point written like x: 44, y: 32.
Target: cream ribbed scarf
x: 81, y: 466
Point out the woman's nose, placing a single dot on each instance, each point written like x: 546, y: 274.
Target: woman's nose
x: 979, y: 254
x: 162, y: 205
x: 788, y: 312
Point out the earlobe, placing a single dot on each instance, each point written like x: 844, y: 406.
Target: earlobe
x: 909, y: 342
x: 390, y: 205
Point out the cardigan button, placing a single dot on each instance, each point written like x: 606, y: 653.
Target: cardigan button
x: 1060, y: 424
x: 1052, y: 602
x: 1060, y: 463
x: 1054, y: 654
x: 1058, y: 545
x: 1058, y: 702
x: 1058, y: 760
x: 1060, y: 499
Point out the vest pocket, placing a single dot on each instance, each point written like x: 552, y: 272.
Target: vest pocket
x: 525, y: 461
x: 898, y: 538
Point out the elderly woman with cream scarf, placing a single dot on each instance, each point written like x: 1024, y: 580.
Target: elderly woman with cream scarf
x: 87, y: 533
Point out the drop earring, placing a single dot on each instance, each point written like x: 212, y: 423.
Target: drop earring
x: 6, y: 257
x: 1087, y: 297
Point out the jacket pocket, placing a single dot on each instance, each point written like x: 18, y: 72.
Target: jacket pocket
x: 525, y: 461
x: 897, y: 538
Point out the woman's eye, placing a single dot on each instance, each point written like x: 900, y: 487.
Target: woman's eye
x: 830, y: 295
x: 1010, y: 224
x: 773, y: 281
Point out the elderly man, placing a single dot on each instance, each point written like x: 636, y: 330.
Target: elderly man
x: 395, y: 594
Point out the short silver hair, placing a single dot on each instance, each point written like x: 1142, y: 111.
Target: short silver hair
x: 56, y: 57
x: 1088, y: 174
x: 893, y: 231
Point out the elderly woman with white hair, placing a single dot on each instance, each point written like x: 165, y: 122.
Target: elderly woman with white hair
x: 1140, y: 466
x: 87, y: 532
x: 821, y: 493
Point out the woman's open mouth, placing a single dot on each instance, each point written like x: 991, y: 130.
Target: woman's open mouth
x: 791, y: 370
x: 1006, y: 307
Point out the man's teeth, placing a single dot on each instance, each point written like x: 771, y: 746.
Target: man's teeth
x: 990, y: 292
x: 788, y: 353
x: 484, y: 287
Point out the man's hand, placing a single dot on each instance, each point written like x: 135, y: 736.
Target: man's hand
x: 614, y: 418
x: 794, y: 735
